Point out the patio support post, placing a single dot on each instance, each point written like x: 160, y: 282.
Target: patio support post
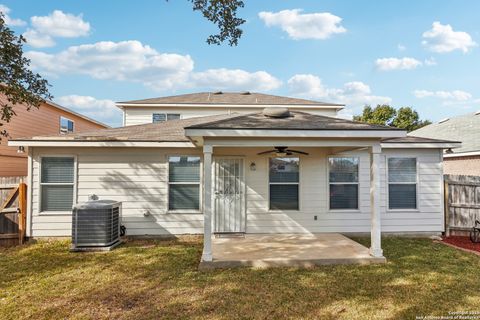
x: 376, y: 232
x: 207, y: 203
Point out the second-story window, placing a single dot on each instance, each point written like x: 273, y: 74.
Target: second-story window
x: 66, y: 125
x: 162, y: 117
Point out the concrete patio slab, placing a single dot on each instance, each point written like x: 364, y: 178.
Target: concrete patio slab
x: 288, y: 250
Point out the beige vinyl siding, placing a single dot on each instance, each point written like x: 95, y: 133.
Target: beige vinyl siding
x: 138, y: 177
x: 138, y: 115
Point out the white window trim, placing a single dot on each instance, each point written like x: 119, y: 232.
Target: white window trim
x: 40, y: 184
x: 417, y: 182
x: 328, y: 183
x: 200, y: 189
x: 285, y: 183
x: 166, y: 116
x: 60, y: 125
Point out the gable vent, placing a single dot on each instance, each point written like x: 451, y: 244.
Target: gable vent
x: 276, y: 112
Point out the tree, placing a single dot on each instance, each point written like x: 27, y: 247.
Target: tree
x: 222, y: 13
x: 18, y: 83
x: 403, y: 118
x: 408, y: 119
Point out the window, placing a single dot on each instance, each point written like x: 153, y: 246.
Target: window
x: 57, y: 180
x: 402, y: 183
x: 343, y: 183
x: 173, y: 116
x: 66, y: 125
x: 184, y: 183
x: 162, y: 117
x: 284, y: 181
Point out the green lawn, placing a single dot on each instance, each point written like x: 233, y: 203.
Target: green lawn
x: 159, y: 279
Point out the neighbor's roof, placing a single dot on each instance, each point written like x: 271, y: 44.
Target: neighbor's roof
x: 296, y: 121
x: 56, y: 105
x: 229, y: 98
x: 465, y: 128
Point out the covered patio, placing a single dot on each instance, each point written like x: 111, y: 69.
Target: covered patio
x: 287, y: 250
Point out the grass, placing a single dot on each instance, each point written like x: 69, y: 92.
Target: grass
x: 159, y: 279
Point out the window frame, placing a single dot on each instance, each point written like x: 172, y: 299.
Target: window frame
x: 166, y: 114
x: 285, y: 183
x: 60, y: 125
x: 40, y: 184
x: 358, y: 157
x: 200, y: 189
x: 417, y: 182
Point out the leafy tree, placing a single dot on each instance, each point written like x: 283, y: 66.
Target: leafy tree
x: 404, y: 118
x: 223, y: 13
x: 408, y: 119
x: 20, y: 86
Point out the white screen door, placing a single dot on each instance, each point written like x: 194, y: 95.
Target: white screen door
x: 229, y: 195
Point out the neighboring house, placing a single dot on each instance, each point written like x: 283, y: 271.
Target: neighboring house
x: 466, y: 129
x: 49, y: 119
x: 233, y: 173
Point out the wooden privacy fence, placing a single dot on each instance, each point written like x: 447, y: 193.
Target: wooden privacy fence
x: 462, y: 203
x: 13, y: 210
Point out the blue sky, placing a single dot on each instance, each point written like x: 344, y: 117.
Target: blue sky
x: 424, y: 54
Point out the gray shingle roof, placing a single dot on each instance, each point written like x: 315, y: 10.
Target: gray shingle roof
x: 465, y: 128
x: 234, y: 98
x: 410, y: 139
x: 297, y: 121
x: 174, y: 130
x: 168, y: 131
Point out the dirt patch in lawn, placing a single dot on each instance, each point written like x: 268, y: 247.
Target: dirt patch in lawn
x: 462, y: 242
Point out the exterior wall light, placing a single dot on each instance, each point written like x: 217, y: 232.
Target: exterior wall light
x: 253, y: 166
x: 21, y: 149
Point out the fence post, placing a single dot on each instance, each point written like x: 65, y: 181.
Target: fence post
x: 446, y: 207
x: 22, y: 205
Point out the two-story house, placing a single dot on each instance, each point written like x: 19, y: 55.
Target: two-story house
x: 243, y: 163
x: 48, y: 119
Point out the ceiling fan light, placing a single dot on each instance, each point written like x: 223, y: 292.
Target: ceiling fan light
x: 281, y: 154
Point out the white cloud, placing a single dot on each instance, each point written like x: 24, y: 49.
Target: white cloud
x: 457, y: 95
x: 401, y: 47
x: 297, y: 25
x: 56, y: 25
x: 9, y: 20
x: 441, y: 38
x: 136, y: 62
x: 103, y: 110
x: 389, y: 64
x: 38, y: 40
x: 235, y: 80
x: 353, y: 94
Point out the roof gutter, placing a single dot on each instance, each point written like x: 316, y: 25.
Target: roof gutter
x: 97, y: 143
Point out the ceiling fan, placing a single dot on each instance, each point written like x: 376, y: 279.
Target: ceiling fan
x: 282, y: 151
